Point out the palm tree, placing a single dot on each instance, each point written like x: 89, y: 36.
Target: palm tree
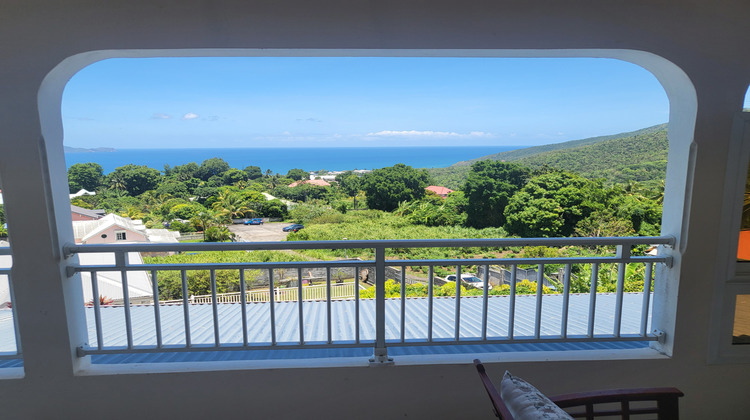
x: 205, y: 220
x: 632, y: 187
x: 133, y: 213
x: 659, y: 196
x: 117, y: 182
x: 217, y: 234
x: 231, y: 205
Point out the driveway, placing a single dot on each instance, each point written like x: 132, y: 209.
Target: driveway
x: 267, y: 232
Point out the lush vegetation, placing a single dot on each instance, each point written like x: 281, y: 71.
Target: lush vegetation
x: 638, y: 156
x: 489, y: 186
x: 376, y: 224
x: 518, y: 154
x: 393, y: 290
x: 598, y: 193
x: 387, y: 187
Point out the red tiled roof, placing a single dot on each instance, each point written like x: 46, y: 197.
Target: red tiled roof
x: 442, y: 191
x: 318, y: 182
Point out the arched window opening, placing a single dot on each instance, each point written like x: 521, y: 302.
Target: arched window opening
x: 547, y: 120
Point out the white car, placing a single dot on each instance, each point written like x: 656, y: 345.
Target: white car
x: 469, y: 279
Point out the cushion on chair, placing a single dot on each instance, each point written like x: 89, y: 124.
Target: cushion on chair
x: 526, y: 402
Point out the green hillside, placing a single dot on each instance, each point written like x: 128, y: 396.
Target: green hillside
x: 636, y: 156
x: 518, y: 154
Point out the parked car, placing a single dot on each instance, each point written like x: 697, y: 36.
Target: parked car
x: 256, y: 221
x: 469, y: 279
x: 293, y: 228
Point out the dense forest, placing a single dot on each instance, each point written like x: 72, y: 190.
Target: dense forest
x: 638, y: 156
x: 609, y: 187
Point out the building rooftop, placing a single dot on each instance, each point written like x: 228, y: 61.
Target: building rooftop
x: 343, y: 326
x: 317, y: 182
x: 441, y: 191
x: 87, y: 229
x: 94, y: 214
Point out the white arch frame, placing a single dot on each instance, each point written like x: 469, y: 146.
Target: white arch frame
x: 680, y: 164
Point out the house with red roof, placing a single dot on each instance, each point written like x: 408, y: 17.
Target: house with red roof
x: 317, y: 182
x: 441, y: 191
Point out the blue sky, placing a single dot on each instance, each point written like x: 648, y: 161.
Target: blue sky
x: 355, y: 101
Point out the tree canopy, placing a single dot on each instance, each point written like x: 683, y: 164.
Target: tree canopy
x: 88, y: 176
x: 489, y: 186
x: 297, y: 174
x: 552, y: 204
x: 212, y: 167
x: 134, y: 179
x: 253, y: 172
x: 387, y: 187
x: 350, y: 184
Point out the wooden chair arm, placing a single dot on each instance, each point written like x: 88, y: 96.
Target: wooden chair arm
x: 501, y: 410
x: 664, y: 401
x: 614, y: 395
x: 665, y: 398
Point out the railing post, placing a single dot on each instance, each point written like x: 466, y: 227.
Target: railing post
x: 380, y: 353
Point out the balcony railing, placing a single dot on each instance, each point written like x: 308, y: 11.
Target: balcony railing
x: 11, y: 347
x: 323, y: 321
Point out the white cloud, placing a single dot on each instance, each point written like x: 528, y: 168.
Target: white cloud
x: 479, y: 134
x: 160, y: 116
x: 415, y: 133
x: 190, y: 116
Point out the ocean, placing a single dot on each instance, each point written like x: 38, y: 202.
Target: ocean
x: 281, y: 160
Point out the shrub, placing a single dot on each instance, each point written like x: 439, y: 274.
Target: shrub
x: 181, y: 227
x: 327, y: 218
x: 218, y: 234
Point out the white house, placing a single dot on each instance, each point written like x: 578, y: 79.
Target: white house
x: 117, y: 229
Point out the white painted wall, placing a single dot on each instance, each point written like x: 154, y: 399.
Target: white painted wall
x: 706, y: 40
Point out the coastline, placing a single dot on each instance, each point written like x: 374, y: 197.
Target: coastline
x: 281, y: 160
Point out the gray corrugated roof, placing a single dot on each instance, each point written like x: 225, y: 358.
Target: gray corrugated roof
x: 343, y: 315
x: 7, y: 332
x: 94, y: 214
x: 259, y: 330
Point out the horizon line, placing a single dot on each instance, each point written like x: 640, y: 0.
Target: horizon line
x: 91, y: 149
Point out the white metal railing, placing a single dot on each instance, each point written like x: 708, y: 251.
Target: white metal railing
x: 5, y: 272
x: 381, y: 340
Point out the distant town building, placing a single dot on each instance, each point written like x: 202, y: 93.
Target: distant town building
x: 441, y: 191
x: 331, y: 176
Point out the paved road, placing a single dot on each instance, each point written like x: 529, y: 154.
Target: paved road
x: 267, y: 232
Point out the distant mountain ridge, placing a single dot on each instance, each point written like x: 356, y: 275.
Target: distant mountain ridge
x: 514, y: 155
x: 69, y: 149
x: 639, y: 156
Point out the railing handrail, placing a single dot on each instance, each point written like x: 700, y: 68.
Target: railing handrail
x: 70, y: 249
x: 368, y: 263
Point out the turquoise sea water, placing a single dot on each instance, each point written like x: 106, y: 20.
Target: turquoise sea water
x: 281, y: 160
